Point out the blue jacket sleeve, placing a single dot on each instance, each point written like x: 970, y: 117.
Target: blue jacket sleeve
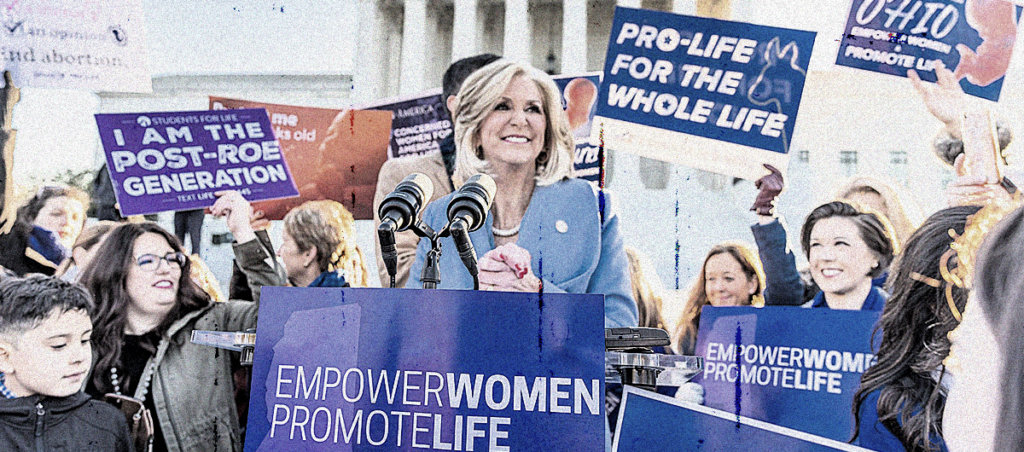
x: 783, y: 285
x: 611, y: 277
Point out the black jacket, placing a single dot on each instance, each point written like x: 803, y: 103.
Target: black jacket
x: 16, y: 256
x: 72, y: 423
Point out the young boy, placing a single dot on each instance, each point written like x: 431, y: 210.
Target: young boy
x: 45, y: 357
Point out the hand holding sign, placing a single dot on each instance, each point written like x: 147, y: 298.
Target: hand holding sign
x: 237, y: 212
x: 945, y: 100
x: 769, y: 186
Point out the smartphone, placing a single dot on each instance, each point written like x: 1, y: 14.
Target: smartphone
x: 981, y: 145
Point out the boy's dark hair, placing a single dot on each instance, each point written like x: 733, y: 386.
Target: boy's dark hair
x: 24, y: 302
x: 459, y: 70
x: 873, y: 230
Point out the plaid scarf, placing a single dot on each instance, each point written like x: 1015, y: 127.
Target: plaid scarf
x: 3, y: 388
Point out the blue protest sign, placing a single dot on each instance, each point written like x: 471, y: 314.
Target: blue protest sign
x: 974, y: 39
x: 386, y: 369
x: 717, y: 95
x: 651, y: 421
x: 790, y: 366
x: 418, y: 124
x: 177, y: 160
x: 579, y: 99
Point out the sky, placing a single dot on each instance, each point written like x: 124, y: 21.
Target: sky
x: 207, y: 37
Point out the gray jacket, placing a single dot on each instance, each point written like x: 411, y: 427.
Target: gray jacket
x: 192, y: 388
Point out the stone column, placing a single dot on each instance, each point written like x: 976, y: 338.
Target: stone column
x: 574, y: 36
x: 414, y: 41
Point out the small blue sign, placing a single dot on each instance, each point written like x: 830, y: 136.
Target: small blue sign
x: 790, y: 366
x: 651, y: 421
x: 974, y: 39
x: 397, y: 369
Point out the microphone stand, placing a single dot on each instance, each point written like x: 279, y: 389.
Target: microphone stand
x: 431, y: 275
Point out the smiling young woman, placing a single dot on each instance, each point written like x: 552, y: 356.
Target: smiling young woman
x: 146, y: 308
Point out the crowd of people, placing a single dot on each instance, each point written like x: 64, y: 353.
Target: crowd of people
x: 103, y: 313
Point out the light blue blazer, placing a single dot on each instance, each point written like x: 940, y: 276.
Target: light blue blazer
x: 582, y: 254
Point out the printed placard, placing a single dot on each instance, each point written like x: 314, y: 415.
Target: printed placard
x: 972, y: 38
x: 644, y: 415
x: 164, y: 161
x: 791, y: 366
x: 95, y: 45
x: 333, y: 154
x: 712, y: 94
x: 398, y: 369
x: 579, y: 99
x: 419, y: 125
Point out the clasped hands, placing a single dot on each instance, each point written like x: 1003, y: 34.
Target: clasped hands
x: 507, y: 269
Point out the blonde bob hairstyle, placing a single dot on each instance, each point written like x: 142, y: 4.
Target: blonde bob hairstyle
x: 328, y: 226
x: 902, y: 220
x: 686, y: 331
x: 477, y: 98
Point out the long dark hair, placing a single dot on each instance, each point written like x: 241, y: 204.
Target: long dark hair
x: 108, y: 285
x: 999, y: 290
x: 914, y: 327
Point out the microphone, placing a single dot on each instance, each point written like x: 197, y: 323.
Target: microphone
x: 401, y: 206
x: 398, y: 212
x: 472, y: 202
x: 467, y: 211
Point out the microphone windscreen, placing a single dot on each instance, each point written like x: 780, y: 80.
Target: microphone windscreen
x: 485, y: 182
x: 423, y: 183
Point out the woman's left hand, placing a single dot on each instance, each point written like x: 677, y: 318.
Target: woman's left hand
x: 507, y: 269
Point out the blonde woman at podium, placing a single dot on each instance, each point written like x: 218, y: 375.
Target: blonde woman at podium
x: 546, y: 231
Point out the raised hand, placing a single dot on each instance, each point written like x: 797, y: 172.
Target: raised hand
x: 237, y: 212
x: 769, y: 188
x: 944, y: 99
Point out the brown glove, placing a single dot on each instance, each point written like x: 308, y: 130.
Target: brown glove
x: 770, y: 186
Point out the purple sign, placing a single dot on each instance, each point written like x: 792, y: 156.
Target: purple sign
x: 177, y: 160
x: 402, y: 369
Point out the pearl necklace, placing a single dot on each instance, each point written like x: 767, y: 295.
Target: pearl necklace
x: 147, y: 376
x: 505, y: 232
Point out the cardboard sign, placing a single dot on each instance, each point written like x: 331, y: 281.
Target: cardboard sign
x: 418, y: 125
x: 166, y: 161
x: 390, y: 369
x: 96, y: 45
x: 795, y: 367
x: 333, y: 154
x: 645, y: 415
x: 974, y: 39
x: 712, y: 94
x: 579, y: 99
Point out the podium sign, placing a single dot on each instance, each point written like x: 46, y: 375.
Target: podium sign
x: 651, y: 421
x: 387, y: 369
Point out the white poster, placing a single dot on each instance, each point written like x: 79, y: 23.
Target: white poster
x: 96, y: 45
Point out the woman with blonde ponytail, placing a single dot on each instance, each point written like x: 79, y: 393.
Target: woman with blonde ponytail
x: 319, y: 247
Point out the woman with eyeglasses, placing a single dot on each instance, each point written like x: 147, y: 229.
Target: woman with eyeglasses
x: 147, y: 308
x: 900, y: 400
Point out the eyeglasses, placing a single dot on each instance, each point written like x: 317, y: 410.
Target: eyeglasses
x: 151, y: 262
